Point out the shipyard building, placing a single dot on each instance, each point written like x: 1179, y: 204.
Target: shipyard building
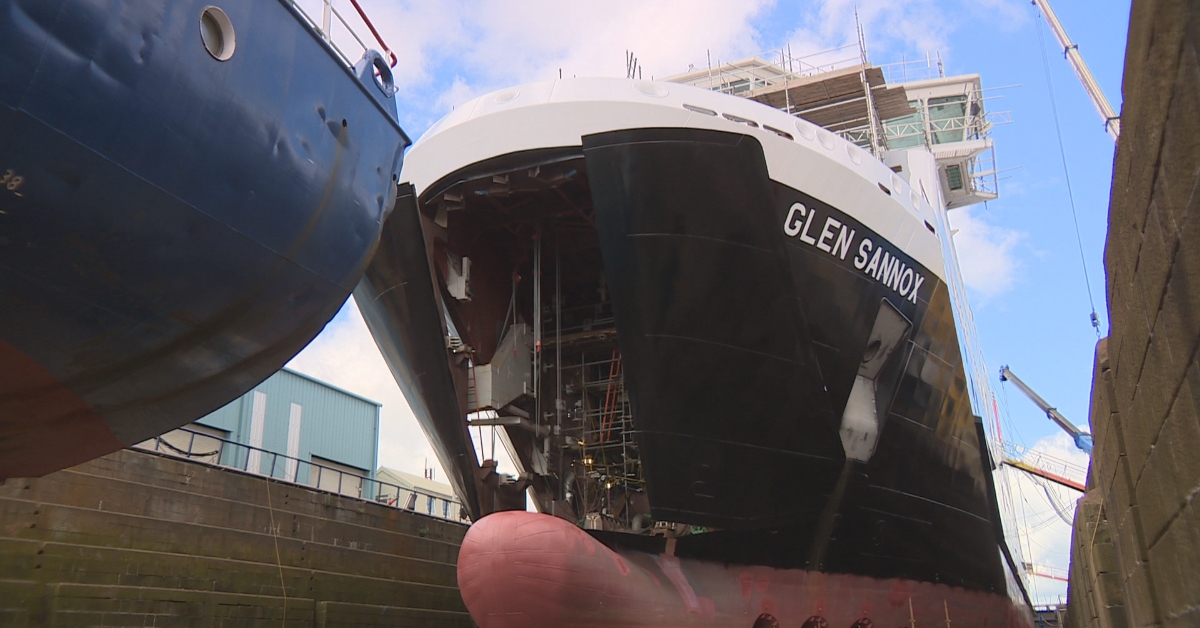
x: 292, y: 427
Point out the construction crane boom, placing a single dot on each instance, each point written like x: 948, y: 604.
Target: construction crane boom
x: 1112, y: 122
x: 1082, y: 439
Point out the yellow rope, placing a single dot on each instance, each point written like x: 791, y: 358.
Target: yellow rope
x: 278, y: 559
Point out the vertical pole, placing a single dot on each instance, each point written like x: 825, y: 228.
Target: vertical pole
x: 709, y: 54
x: 871, y: 114
x: 327, y: 20
x: 537, y: 335
x: 558, y: 400
x: 787, y: 77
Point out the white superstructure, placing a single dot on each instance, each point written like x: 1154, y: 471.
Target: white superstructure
x: 798, y: 153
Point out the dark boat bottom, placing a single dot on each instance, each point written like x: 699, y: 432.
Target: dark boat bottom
x: 79, y: 433
x: 519, y: 569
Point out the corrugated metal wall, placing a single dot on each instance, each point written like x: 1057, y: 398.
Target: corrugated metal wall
x: 334, y: 424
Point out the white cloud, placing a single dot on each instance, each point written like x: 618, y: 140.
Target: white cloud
x: 986, y: 253
x: 451, y: 50
x: 458, y: 93
x: 1009, y: 14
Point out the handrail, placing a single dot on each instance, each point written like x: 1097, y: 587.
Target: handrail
x: 324, y: 28
x: 370, y: 489
x: 366, y: 20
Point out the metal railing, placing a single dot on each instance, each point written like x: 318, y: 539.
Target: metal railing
x: 327, y: 28
x: 906, y: 70
x: 208, y: 449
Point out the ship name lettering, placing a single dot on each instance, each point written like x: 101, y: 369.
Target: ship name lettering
x: 837, y: 238
x: 842, y: 243
x: 792, y: 225
x: 888, y: 270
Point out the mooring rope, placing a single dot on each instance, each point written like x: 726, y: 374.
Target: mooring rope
x: 278, y: 559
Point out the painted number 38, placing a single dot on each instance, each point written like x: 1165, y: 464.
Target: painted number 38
x: 12, y: 181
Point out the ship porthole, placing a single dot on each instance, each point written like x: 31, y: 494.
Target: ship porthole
x: 506, y: 96
x: 825, y: 138
x: 651, y: 89
x: 806, y: 130
x: 216, y: 31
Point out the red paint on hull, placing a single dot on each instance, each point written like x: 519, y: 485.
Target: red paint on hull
x: 525, y: 570
x: 44, y: 426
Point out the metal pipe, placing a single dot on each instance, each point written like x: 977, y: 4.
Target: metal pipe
x: 537, y: 332
x: 558, y: 400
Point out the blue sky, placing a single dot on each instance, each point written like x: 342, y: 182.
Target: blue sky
x: 1020, y: 254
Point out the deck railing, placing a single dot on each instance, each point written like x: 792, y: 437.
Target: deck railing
x: 208, y: 449
x: 345, y: 36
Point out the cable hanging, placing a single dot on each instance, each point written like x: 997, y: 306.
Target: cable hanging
x: 1066, y: 173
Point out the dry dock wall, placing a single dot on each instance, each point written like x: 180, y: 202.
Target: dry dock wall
x: 139, y: 539
x: 1145, y: 474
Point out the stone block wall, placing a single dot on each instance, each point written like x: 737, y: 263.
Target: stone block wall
x: 1146, y: 465
x: 139, y: 539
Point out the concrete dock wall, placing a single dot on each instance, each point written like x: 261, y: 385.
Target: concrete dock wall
x: 1146, y: 464
x: 138, y: 539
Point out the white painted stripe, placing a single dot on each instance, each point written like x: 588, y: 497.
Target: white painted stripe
x: 293, y: 443
x: 258, y: 416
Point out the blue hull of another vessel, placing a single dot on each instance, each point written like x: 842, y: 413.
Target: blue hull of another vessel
x: 173, y: 228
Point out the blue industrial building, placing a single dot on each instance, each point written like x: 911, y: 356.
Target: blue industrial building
x: 293, y: 427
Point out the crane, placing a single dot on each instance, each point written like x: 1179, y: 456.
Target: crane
x: 1112, y: 122
x: 1082, y: 439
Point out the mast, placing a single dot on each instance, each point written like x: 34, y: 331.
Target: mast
x: 1112, y: 122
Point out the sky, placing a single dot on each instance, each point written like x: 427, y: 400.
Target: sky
x: 1021, y: 257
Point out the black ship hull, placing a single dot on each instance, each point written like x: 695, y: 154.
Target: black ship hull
x: 795, y: 394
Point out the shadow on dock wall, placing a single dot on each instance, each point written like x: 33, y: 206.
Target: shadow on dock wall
x: 139, y: 539
x: 1136, y: 547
